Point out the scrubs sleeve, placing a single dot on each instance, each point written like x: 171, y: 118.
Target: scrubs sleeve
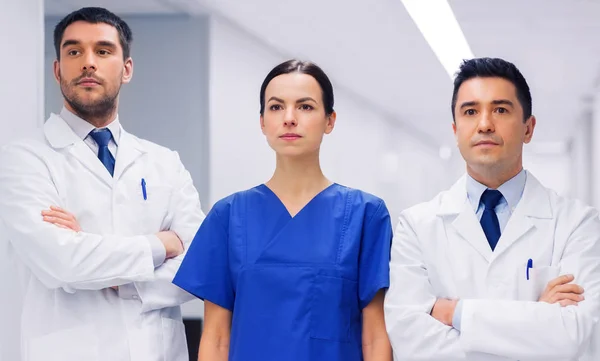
x: 205, y: 272
x: 374, y: 259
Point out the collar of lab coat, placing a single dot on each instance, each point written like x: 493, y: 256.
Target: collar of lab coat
x: 534, y: 203
x: 60, y: 135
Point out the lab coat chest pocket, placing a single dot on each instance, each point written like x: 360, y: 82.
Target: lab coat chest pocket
x: 78, y: 343
x: 531, y: 289
x: 153, y: 202
x: 334, y: 309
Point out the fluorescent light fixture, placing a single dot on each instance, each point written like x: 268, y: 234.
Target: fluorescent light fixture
x: 435, y: 19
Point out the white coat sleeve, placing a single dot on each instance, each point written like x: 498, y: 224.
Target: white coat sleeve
x: 61, y: 258
x: 185, y: 217
x: 538, y: 330
x: 413, y: 332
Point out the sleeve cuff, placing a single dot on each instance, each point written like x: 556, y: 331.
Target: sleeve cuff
x: 457, y: 317
x: 159, y: 253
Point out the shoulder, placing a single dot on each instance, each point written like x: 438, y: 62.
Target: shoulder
x: 426, y: 212
x: 25, y: 150
x: 223, y: 208
x: 370, y: 204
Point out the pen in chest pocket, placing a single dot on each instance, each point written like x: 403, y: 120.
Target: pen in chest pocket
x: 144, y: 194
x: 529, y: 266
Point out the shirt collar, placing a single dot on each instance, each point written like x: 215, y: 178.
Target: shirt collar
x: 82, y: 128
x: 511, y: 190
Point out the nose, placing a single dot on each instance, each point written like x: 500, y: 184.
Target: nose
x: 89, y: 63
x: 290, y: 119
x: 485, y: 125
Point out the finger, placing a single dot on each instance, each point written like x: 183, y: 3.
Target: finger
x: 565, y: 303
x: 60, y: 221
x: 61, y: 215
x: 568, y: 288
x: 566, y: 296
x: 56, y: 208
x: 561, y: 280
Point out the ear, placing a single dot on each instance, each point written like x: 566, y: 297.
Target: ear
x: 262, y: 124
x: 454, y: 130
x: 529, y: 128
x: 56, y: 70
x: 330, y: 122
x: 128, y: 71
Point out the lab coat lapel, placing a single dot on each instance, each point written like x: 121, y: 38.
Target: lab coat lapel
x: 464, y: 226
x: 535, y: 203
x: 130, y: 149
x: 61, y: 136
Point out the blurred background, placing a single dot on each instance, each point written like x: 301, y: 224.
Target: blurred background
x: 199, y: 65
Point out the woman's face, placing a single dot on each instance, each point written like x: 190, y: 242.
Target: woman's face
x: 294, y: 119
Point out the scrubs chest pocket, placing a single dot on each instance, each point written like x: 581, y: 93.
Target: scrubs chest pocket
x: 531, y: 289
x: 334, y: 309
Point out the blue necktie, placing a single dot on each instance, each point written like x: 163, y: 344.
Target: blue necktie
x: 102, y: 137
x: 489, y: 220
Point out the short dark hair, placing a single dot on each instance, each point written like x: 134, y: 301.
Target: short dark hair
x: 95, y: 15
x: 303, y: 67
x: 494, y: 67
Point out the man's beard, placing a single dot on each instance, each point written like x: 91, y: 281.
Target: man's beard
x: 100, y: 108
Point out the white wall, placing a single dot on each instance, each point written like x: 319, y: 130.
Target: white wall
x: 167, y: 100
x: 21, y: 101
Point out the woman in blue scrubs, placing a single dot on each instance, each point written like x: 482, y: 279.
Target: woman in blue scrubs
x: 294, y: 269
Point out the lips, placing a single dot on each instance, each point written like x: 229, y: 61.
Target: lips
x: 88, y: 82
x: 290, y: 136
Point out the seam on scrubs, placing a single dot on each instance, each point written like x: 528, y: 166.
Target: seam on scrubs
x: 344, y: 226
x: 375, y: 213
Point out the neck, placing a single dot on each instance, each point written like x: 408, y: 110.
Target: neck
x: 99, y: 119
x: 492, y: 177
x: 298, y: 175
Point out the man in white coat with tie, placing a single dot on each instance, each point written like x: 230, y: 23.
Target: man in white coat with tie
x: 95, y: 219
x: 498, y: 267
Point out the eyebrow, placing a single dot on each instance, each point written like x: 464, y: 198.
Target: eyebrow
x: 495, y: 102
x: 104, y: 43
x: 301, y: 100
x: 503, y: 102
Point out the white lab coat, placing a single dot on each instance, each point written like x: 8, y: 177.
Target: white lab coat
x: 440, y: 250
x: 69, y: 312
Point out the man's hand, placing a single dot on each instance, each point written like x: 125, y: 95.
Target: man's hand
x: 172, y: 243
x: 443, y: 310
x: 61, y: 218
x: 561, y: 291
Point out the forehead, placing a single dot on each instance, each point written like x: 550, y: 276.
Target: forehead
x: 89, y: 33
x: 293, y: 85
x: 486, y: 90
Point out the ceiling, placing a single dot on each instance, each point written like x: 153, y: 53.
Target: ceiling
x: 374, y: 51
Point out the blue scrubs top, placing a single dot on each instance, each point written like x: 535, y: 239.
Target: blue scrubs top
x: 295, y: 285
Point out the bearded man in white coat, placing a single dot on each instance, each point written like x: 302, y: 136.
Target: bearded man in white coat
x: 96, y: 220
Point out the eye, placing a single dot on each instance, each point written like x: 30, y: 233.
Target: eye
x: 275, y: 107
x: 470, y: 112
x: 103, y: 52
x: 73, y: 52
x: 306, y: 107
x: 502, y: 110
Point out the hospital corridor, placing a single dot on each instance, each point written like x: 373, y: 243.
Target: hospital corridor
x: 226, y: 180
